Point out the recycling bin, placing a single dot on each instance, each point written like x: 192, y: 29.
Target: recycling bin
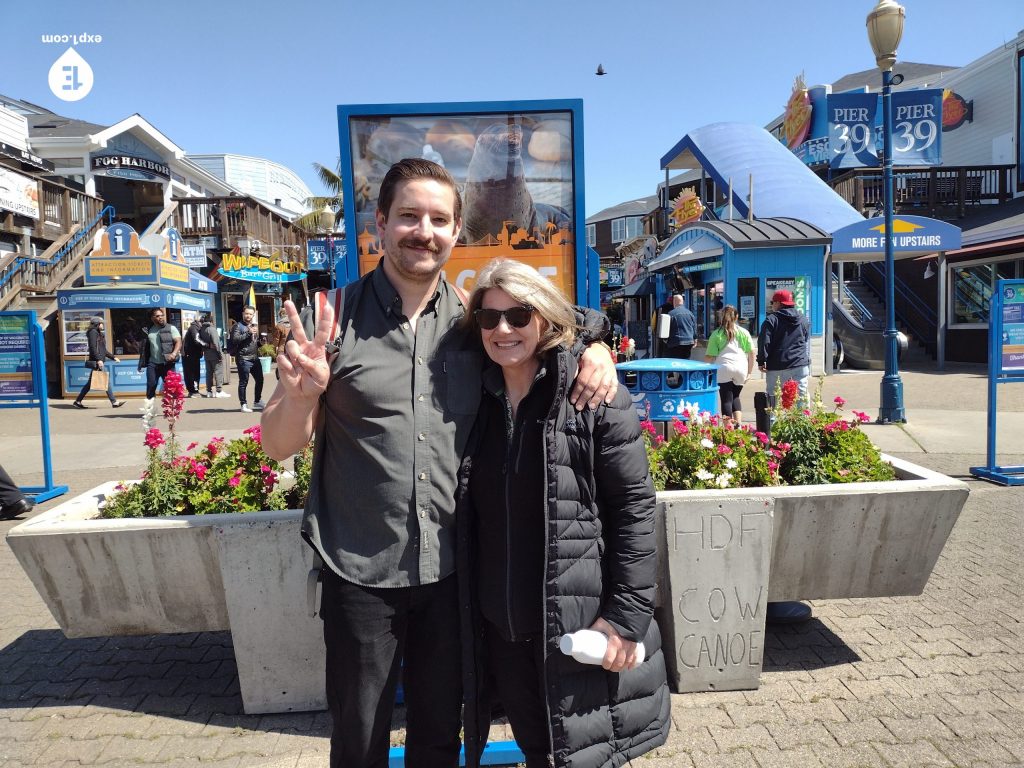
x: 662, y: 387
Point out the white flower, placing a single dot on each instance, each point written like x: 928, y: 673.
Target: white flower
x: 730, y: 463
x: 632, y: 346
x: 706, y: 443
x: 723, y: 480
x: 703, y: 474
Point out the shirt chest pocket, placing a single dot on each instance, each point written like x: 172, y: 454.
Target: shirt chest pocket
x: 457, y: 390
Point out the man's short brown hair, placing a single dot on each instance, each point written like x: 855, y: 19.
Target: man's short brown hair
x: 415, y: 168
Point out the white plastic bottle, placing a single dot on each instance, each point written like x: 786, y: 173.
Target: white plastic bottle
x: 588, y: 646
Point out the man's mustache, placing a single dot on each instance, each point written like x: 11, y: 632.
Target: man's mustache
x: 411, y: 242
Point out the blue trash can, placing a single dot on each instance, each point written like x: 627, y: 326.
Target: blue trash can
x: 666, y: 385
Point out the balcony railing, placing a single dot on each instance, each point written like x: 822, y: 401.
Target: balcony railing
x: 237, y: 218
x: 939, y: 191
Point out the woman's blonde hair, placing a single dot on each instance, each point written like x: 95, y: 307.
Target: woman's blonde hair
x: 526, y: 285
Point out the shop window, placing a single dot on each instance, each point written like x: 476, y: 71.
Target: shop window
x: 127, y: 333
x: 971, y: 288
x: 591, y: 235
x: 627, y: 227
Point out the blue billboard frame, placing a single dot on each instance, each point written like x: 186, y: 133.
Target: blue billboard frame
x: 36, y: 399
x: 585, y: 294
x: 999, y: 374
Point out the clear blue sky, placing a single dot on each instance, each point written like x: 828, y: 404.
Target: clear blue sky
x: 263, y: 78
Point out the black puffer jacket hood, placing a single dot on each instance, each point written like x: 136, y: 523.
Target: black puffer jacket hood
x: 784, y: 340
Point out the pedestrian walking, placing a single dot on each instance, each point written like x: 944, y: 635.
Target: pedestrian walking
x: 559, y: 539
x: 245, y: 341
x: 784, y: 345
x: 159, y: 354
x: 732, y: 349
x: 392, y: 409
x: 213, y: 356
x: 191, y: 355
x: 97, y: 340
x: 682, y: 333
x: 12, y: 501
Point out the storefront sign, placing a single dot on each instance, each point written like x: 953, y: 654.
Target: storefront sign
x: 195, y: 255
x: 101, y: 298
x: 19, y: 194
x: 136, y: 269
x: 851, y: 127
x: 796, y: 123
x: 1011, y: 343
x: 911, y: 236
x: 173, y: 274
x: 15, y: 356
x: 686, y: 208
x: 129, y: 167
x: 956, y: 110
x: 261, y: 269
x: 24, y: 156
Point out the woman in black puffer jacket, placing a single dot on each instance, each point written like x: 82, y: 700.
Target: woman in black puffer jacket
x: 555, y: 521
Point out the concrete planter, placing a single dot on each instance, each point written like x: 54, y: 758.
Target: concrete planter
x: 247, y: 572
x: 198, y: 573
x: 824, y: 542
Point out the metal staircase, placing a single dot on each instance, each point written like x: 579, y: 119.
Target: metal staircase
x: 31, y: 282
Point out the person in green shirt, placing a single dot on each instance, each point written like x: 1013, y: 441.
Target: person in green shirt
x: 731, y: 347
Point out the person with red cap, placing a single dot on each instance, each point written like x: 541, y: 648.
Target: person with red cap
x: 784, y: 345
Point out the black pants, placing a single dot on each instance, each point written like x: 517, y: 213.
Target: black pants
x: 190, y: 372
x: 368, y: 632
x: 730, y: 394
x: 681, y: 352
x: 517, y: 671
x: 9, y: 492
x: 245, y: 367
x: 155, y: 372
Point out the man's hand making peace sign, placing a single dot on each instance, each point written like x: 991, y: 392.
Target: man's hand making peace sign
x: 304, y: 372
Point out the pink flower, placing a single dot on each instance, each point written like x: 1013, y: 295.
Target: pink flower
x: 658, y: 439
x: 806, y: 412
x: 839, y: 401
x: 243, y: 457
x: 861, y: 416
x: 648, y: 426
x: 234, y: 481
x: 680, y: 427
x: 154, y: 439
x: 762, y: 437
x: 198, y: 469
x: 255, y: 432
x: 724, y: 450
x: 773, y: 466
x: 191, y: 446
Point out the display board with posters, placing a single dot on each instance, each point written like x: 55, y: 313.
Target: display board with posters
x: 1005, y: 366
x: 519, y: 166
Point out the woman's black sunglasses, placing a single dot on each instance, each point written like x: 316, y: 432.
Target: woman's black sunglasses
x: 517, y: 317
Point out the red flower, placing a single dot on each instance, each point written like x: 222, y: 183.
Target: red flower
x: 789, y: 393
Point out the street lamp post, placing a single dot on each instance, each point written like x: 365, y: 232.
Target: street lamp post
x: 885, y: 28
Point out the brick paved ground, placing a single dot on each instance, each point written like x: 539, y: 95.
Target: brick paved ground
x: 930, y: 680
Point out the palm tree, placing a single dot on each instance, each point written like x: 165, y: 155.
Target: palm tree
x: 310, y: 223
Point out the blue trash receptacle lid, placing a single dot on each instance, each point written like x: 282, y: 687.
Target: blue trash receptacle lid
x: 665, y: 364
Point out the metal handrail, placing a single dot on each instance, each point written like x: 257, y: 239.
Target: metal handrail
x: 65, y: 249
x: 925, y: 336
